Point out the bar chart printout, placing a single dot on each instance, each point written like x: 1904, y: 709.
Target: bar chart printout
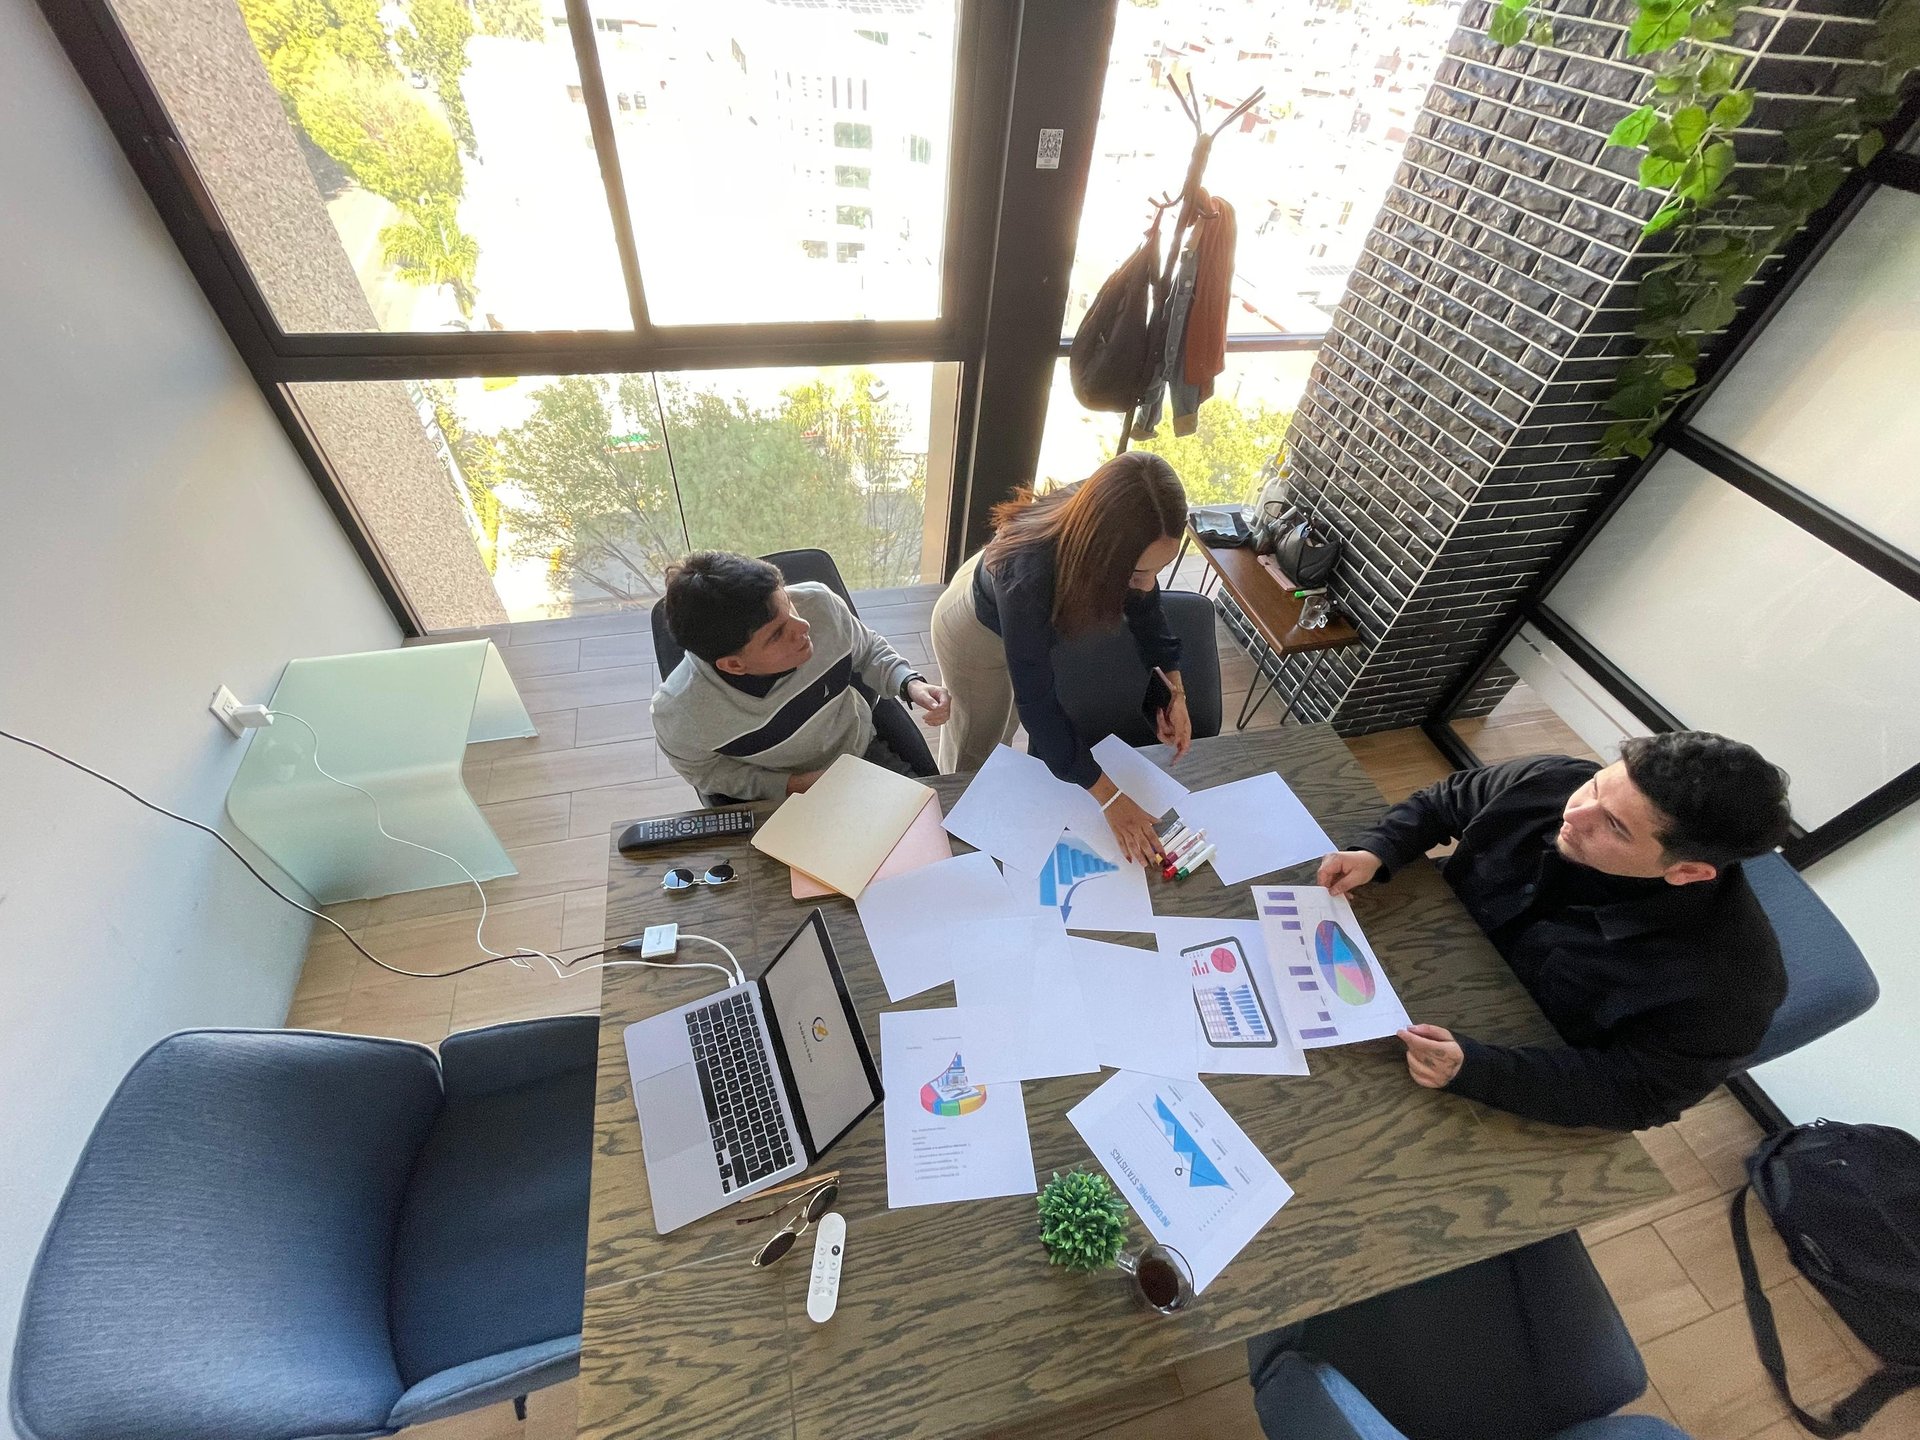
x: 1332, y: 989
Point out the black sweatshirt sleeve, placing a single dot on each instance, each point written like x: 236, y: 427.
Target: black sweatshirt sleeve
x: 1152, y: 636
x: 1441, y: 812
x: 1026, y: 629
x: 1645, y: 1077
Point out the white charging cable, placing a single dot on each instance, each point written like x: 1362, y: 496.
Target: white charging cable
x: 518, y: 959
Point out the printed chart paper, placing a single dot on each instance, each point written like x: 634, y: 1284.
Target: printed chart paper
x: 1239, y: 1028
x: 1139, y: 1008
x: 1256, y: 826
x: 1020, y: 979
x: 1146, y: 784
x: 918, y: 921
x: 1080, y: 888
x: 1332, y: 988
x: 948, y: 1137
x: 1189, y: 1172
x: 1015, y: 810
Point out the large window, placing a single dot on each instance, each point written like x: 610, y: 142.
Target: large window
x: 579, y: 490
x: 396, y: 199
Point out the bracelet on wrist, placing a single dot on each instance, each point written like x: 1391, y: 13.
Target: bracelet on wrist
x: 1117, y: 793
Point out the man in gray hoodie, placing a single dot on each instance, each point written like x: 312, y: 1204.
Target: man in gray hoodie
x: 764, y: 700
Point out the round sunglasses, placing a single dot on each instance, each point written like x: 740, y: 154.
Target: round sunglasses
x: 813, y: 1204
x: 683, y: 879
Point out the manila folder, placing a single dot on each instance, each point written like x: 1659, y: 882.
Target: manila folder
x: 845, y: 826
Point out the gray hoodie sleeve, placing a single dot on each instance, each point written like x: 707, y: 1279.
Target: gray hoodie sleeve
x: 875, y: 661
x: 712, y: 773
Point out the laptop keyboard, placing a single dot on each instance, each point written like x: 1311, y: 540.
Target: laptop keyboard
x: 743, y: 1113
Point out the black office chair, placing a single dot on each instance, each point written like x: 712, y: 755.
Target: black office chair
x: 1525, y: 1346
x: 1101, y: 682
x: 890, y: 718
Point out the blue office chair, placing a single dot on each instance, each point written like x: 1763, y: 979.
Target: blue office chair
x: 1302, y: 1398
x: 275, y: 1233
x: 891, y: 720
x: 1100, y: 681
x: 1828, y: 979
x: 1525, y: 1346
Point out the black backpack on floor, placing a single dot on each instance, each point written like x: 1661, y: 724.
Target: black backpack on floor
x: 1846, y: 1200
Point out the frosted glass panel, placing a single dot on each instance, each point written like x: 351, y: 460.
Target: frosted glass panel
x: 1739, y: 622
x: 1825, y: 398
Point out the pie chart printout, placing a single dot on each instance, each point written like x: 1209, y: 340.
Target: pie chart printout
x: 950, y: 1093
x: 1343, y: 964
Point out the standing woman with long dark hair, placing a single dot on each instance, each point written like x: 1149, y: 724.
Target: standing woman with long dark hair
x: 1082, y: 558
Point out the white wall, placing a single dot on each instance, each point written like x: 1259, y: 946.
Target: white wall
x: 158, y: 536
x: 1868, y: 1071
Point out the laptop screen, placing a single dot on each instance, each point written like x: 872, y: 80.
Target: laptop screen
x: 816, y: 1027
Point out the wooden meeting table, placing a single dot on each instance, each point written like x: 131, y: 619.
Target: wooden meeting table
x: 951, y: 1322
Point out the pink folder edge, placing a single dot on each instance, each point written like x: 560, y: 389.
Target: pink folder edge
x: 925, y: 842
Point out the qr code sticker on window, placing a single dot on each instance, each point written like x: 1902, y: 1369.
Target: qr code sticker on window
x: 1049, y: 150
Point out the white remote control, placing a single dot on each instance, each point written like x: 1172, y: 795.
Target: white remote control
x: 823, y: 1291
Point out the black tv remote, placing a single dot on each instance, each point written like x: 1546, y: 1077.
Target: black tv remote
x: 693, y: 826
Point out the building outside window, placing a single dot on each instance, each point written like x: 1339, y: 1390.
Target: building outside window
x: 848, y: 252
x: 814, y: 249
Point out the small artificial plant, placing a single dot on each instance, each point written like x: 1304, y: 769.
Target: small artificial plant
x: 1083, y: 1220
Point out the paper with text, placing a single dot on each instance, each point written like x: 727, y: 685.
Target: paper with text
x: 1189, y: 1172
x: 949, y: 1137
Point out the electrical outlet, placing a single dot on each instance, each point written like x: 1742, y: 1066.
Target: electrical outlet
x: 223, y: 704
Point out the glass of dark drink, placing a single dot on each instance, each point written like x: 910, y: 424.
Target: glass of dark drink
x: 1159, y: 1278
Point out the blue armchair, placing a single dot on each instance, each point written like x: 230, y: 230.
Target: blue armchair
x: 1524, y: 1346
x: 276, y: 1234
x: 1828, y: 979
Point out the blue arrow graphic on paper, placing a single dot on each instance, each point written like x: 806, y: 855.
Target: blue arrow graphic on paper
x: 1066, y: 868
x: 1200, y: 1170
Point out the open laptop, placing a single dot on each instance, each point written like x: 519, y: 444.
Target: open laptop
x: 742, y: 1089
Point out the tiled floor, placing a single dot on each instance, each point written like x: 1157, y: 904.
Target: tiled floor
x: 552, y: 799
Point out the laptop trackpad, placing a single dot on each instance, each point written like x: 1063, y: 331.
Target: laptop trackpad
x: 673, y: 1114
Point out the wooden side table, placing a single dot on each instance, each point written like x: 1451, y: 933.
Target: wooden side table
x: 1274, y: 615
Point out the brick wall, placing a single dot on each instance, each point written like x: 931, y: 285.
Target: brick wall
x: 1447, y: 427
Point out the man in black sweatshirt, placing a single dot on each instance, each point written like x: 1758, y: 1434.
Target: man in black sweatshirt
x: 1616, y: 895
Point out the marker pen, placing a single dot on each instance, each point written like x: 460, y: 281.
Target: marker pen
x: 1194, y: 862
x: 1188, y: 844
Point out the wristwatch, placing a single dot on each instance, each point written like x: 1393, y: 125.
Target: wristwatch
x: 911, y: 677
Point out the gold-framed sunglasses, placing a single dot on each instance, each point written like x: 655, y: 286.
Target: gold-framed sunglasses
x: 814, y: 1201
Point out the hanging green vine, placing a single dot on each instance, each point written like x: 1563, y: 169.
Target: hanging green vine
x: 1721, y: 233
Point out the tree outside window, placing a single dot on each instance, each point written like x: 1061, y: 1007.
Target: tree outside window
x: 858, y: 216
x: 848, y: 135
x: 852, y: 177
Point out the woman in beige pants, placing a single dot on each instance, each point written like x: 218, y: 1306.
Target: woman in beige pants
x: 1078, y: 559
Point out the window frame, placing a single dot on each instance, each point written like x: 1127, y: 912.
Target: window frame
x: 110, y: 67
x: 1856, y: 542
